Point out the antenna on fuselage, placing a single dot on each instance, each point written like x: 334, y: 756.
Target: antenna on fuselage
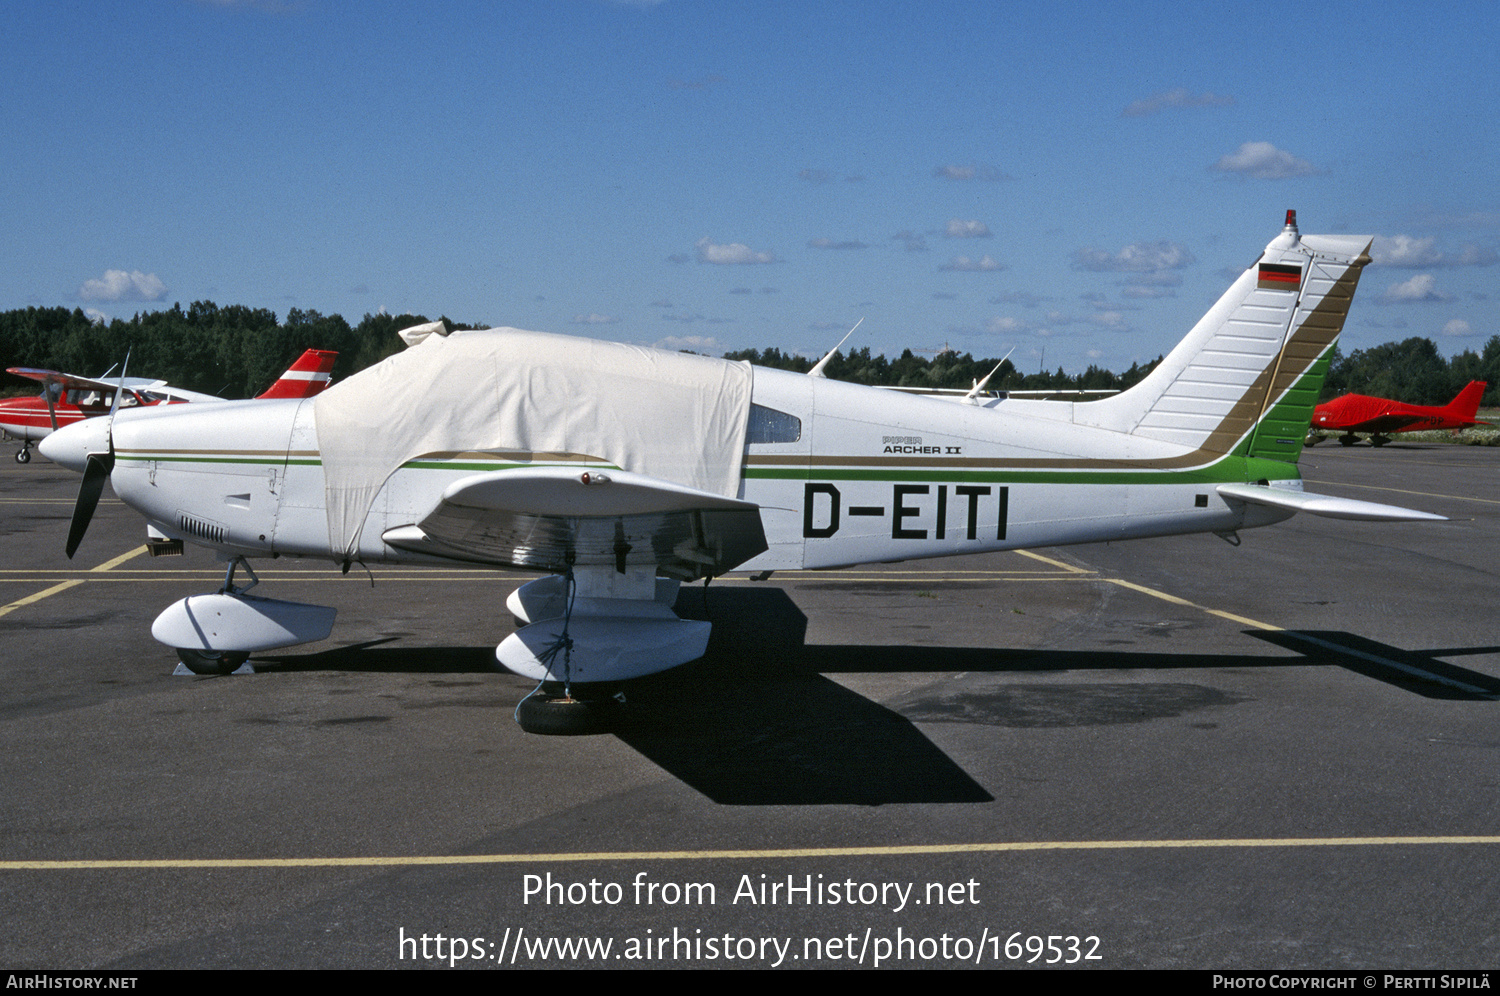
x: 817, y: 370
x: 973, y: 396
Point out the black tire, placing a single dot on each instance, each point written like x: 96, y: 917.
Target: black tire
x: 1379, y: 440
x: 211, y: 661
x: 1346, y: 440
x: 24, y: 456
x: 557, y: 716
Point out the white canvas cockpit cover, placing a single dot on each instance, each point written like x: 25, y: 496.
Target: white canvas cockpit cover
x: 667, y: 415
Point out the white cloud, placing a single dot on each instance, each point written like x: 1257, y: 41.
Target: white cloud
x: 964, y: 264
x: 1179, y: 97
x: 1421, y: 287
x: 697, y: 343
x: 732, y: 253
x: 960, y: 229
x: 96, y: 316
x: 117, y: 285
x: 1023, y: 298
x: 1143, y: 293
x: 1458, y: 327
x: 989, y: 174
x: 1404, y: 250
x: 830, y: 244
x: 1139, y: 257
x: 1264, y: 161
x: 594, y: 319
x: 1007, y: 324
x: 1468, y: 219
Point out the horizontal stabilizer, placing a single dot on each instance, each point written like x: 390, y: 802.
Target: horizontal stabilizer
x: 1324, y: 505
x: 552, y: 518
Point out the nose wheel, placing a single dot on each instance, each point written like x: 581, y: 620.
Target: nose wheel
x: 24, y: 456
x: 211, y: 661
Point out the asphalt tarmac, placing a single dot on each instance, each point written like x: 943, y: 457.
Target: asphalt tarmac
x: 1166, y: 753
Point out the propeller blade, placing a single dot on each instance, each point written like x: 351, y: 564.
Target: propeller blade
x: 95, y: 472
x: 114, y: 404
x: 94, y: 476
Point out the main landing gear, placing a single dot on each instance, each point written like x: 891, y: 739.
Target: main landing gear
x: 563, y: 714
x: 580, y: 634
x: 24, y: 454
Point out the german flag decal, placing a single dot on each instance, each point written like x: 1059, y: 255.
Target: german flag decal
x: 1277, y: 276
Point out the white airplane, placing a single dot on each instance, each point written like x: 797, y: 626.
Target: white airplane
x: 623, y: 471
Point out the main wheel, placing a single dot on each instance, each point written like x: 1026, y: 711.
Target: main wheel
x: 211, y: 661
x: 24, y: 456
x: 1346, y: 440
x: 558, y: 716
x: 1379, y: 440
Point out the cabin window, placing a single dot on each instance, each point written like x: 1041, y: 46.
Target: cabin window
x: 767, y: 425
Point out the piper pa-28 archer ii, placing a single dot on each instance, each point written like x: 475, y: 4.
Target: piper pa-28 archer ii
x: 68, y: 398
x: 624, y: 471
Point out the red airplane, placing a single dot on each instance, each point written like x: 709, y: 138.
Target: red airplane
x: 67, y: 398
x: 1382, y: 418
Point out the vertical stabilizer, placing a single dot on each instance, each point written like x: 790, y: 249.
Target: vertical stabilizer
x: 308, y: 376
x: 1465, y: 407
x: 1246, y: 378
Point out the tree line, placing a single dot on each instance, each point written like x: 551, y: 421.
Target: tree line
x: 236, y: 351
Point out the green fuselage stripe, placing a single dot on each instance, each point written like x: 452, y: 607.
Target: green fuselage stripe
x: 1224, y: 470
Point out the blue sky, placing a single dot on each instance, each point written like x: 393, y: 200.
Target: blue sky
x: 1077, y: 181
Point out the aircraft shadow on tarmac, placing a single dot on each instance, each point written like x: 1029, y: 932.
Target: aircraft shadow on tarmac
x: 756, y: 722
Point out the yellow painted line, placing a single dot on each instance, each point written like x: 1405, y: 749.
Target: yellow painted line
x: 1405, y: 491
x: 390, y: 861
x: 857, y: 575
x: 110, y: 565
x: 64, y: 586
x: 54, y: 501
x: 1055, y: 563
x: 1307, y: 638
x: 1242, y: 620
x: 13, y: 606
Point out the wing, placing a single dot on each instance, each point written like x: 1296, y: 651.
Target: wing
x: 1384, y: 423
x: 71, y: 382
x: 550, y: 517
x: 1333, y: 508
x: 67, y: 381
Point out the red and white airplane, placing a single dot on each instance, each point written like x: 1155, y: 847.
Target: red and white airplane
x: 1383, y: 418
x: 68, y: 398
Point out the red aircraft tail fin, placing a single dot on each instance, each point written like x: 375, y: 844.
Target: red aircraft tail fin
x: 305, y: 378
x: 1466, y: 405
